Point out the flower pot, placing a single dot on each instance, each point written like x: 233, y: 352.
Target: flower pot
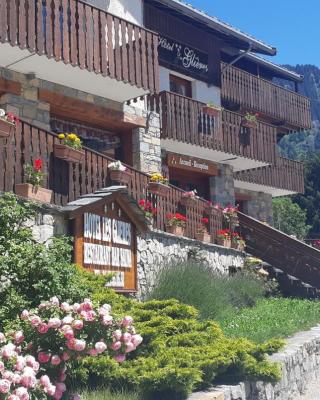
x: 175, y: 230
x: 158, y: 188
x: 5, y: 128
x: 68, y: 153
x: 188, y: 201
x: 33, y: 192
x: 123, y: 177
x: 224, y: 242
x: 213, y: 112
x: 249, y: 124
x: 203, y: 237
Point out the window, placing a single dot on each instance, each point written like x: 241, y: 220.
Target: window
x: 180, y: 86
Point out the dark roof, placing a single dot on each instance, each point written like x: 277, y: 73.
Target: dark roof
x: 243, y: 39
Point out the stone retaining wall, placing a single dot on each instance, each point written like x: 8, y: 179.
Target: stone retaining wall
x: 300, y: 364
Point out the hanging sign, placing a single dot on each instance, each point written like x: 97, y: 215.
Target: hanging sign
x: 192, y: 164
x: 183, y: 58
x: 106, y: 242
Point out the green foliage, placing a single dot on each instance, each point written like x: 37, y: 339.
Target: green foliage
x: 105, y: 394
x: 31, y: 272
x: 273, y: 318
x: 179, y: 354
x: 290, y: 218
x: 214, y: 295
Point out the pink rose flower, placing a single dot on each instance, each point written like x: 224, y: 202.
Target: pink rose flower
x: 93, y: 352
x: 120, y: 358
x: 62, y: 376
x: 86, y: 305
x: 55, y: 301
x: 43, y: 328
x: 2, y: 338
x: 71, y: 344
x: 107, y: 307
x: 8, y: 351
x: 35, y: 320
x: 127, y: 321
x: 136, y: 340
x: 45, y: 381
x: 22, y: 393
x: 13, y: 397
x: 66, y: 307
x: 4, y: 386
x: 77, y: 324
x: 130, y: 347
x: 61, y: 386
x: 30, y: 361
x: 28, y: 381
x: 58, y: 394
x: 24, y: 315
x: 65, y: 356
x: 20, y: 363
x: 76, y: 397
x: 8, y: 375
x: 79, y: 345
x: 67, y: 320
x: 117, y: 334
x: 69, y: 334
x: 1, y: 366
x: 18, y: 337
x: 100, y: 347
x: 116, y: 346
x: 16, y: 379
x: 54, y: 323
x: 76, y: 307
x: 55, y: 360
x: 43, y: 357
x: 126, y: 337
x: 107, y: 320
x: 50, y: 390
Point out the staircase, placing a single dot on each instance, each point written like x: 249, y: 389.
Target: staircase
x: 293, y: 263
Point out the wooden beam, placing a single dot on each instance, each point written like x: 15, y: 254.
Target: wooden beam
x: 79, y: 110
x: 7, y: 86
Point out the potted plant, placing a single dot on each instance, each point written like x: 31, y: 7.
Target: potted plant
x: 250, y: 120
x: 149, y: 211
x: 237, y: 241
x: 69, y: 148
x: 32, y: 189
x: 202, y: 231
x: 189, y: 199
x: 7, y: 122
x: 230, y: 214
x: 158, y: 184
x: 211, y: 109
x: 224, y: 238
x: 176, y: 224
x: 119, y: 173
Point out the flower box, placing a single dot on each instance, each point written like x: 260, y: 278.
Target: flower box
x: 211, y: 111
x: 68, y: 154
x: 188, y: 201
x: 224, y: 242
x: 203, y: 237
x: 249, y: 124
x: 123, y: 177
x: 5, y: 128
x: 33, y: 192
x: 158, y: 188
x: 175, y: 230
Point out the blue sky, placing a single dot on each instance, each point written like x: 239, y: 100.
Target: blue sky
x: 292, y: 26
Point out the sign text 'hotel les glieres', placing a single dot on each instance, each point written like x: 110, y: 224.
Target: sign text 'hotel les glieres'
x: 109, y: 232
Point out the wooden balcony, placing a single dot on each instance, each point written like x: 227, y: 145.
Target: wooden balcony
x: 184, y: 121
x: 83, y: 36
x: 286, y: 175
x: 70, y: 181
x: 249, y: 92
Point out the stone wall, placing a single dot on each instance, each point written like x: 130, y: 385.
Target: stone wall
x: 157, y: 249
x: 222, y: 186
x: 259, y: 206
x: 300, y: 365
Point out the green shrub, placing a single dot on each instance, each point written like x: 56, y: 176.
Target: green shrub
x: 105, y: 394
x: 31, y: 272
x: 273, y: 318
x: 215, y: 295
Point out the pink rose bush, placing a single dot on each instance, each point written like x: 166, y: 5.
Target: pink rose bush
x: 34, y: 362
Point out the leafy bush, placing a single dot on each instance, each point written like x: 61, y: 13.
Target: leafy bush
x: 179, y: 353
x: 31, y: 272
x: 273, y: 318
x: 105, y: 394
x: 215, y: 295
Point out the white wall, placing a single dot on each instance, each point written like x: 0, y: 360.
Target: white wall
x: 201, y: 91
x: 131, y: 10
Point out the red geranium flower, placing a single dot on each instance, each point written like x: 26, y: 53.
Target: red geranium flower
x: 38, y: 165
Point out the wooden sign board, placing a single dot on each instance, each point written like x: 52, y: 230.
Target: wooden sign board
x: 192, y: 164
x: 106, y: 241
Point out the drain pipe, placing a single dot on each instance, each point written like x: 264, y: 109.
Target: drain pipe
x: 237, y: 58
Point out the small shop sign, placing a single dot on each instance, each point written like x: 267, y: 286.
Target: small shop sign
x: 192, y: 164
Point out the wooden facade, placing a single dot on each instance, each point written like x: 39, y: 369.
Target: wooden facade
x: 84, y: 36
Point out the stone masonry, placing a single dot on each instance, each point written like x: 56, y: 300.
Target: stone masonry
x: 259, y: 206
x: 222, y: 186
x: 300, y: 365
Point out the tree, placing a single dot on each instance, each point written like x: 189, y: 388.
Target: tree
x: 290, y: 218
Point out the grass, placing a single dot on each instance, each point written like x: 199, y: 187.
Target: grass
x: 272, y: 318
x: 105, y: 394
x: 215, y: 296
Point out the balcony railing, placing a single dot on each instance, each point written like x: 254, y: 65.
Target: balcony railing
x: 285, y: 174
x: 82, y: 35
x: 183, y: 120
x: 70, y: 181
x: 256, y: 94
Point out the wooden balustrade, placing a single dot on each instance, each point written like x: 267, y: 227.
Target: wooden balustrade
x: 82, y: 35
x: 183, y: 120
x: 285, y: 174
x: 259, y: 95
x: 70, y: 181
